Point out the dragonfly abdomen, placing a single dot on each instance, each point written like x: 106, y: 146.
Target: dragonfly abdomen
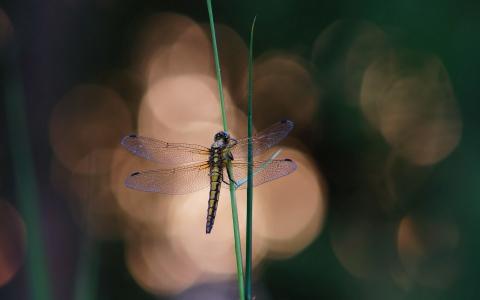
x: 216, y: 177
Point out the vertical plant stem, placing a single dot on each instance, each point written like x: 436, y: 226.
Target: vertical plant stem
x: 217, y: 65
x: 248, y: 268
x: 86, y: 279
x: 236, y: 236
x: 233, y: 200
x: 87, y: 273
x: 25, y: 181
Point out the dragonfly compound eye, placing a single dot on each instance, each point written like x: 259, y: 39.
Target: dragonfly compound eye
x: 222, y: 135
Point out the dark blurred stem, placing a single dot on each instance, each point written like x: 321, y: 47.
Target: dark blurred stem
x: 236, y: 227
x: 86, y: 279
x: 87, y: 271
x: 25, y: 182
x: 249, y: 245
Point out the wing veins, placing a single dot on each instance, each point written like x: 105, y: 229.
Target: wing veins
x: 165, y: 153
x: 181, y: 180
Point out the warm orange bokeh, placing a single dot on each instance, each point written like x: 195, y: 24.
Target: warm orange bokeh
x: 408, y: 97
x: 291, y: 210
x: 283, y: 87
x: 343, y: 51
x: 357, y: 242
x: 6, y: 28
x: 12, y: 242
x: 172, y: 45
x: 85, y: 127
x: 428, y: 250
x: 167, y: 248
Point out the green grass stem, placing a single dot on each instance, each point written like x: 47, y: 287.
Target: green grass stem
x: 233, y: 200
x: 25, y: 183
x: 249, y: 246
x: 218, y: 70
x: 86, y: 281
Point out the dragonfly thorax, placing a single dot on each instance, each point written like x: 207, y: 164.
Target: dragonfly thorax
x: 221, y: 139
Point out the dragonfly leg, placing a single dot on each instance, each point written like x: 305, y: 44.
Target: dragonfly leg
x: 228, y: 182
x: 233, y: 142
x: 230, y: 177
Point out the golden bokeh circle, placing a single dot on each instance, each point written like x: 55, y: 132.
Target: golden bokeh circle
x: 12, y: 242
x: 408, y: 97
x: 291, y: 210
x: 86, y: 125
x: 427, y: 247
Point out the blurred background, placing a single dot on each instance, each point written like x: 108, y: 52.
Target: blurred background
x: 384, y: 95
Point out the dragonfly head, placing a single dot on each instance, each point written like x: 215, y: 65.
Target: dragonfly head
x: 222, y: 137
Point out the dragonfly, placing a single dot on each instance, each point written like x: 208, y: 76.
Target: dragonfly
x: 187, y: 168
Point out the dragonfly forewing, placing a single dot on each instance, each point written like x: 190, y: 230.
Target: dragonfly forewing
x: 263, y: 140
x: 163, y: 153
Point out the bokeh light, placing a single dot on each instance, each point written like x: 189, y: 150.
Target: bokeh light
x: 210, y: 253
x: 343, y: 51
x: 401, y: 180
x: 169, y: 104
x: 85, y: 127
x: 428, y: 249
x: 291, y: 210
x: 157, y: 267
x: 363, y: 246
x: 409, y: 98
x: 233, y: 54
x: 6, y: 28
x: 12, y: 242
x: 91, y: 201
x: 139, y: 208
x: 283, y: 88
x: 171, y: 45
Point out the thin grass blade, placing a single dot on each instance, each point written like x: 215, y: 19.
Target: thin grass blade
x: 249, y: 246
x: 233, y: 200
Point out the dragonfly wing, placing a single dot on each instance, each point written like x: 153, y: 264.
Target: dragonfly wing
x: 264, y: 171
x: 263, y: 140
x: 165, y: 153
x: 177, y: 181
